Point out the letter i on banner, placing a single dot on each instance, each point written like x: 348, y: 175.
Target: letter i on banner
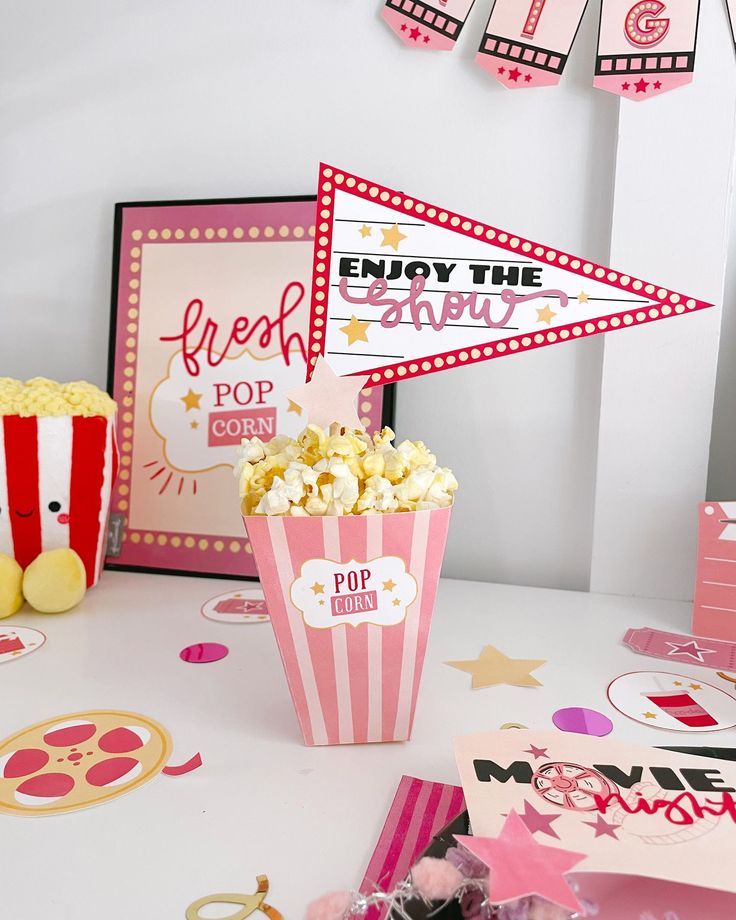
x: 646, y: 48
x: 435, y: 26
x: 527, y: 42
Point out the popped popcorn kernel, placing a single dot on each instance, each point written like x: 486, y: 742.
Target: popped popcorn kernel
x: 41, y: 397
x: 340, y: 471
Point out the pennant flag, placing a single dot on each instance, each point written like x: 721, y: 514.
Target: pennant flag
x: 435, y: 26
x: 646, y: 48
x: 527, y: 42
x: 402, y: 287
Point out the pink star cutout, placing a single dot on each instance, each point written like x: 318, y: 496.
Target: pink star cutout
x: 538, y: 821
x: 519, y: 866
x: 690, y: 648
x: 537, y: 752
x: 328, y: 398
x: 514, y: 74
x: 641, y: 86
x: 414, y: 33
x: 602, y: 827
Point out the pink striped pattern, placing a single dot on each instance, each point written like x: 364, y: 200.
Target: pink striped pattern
x: 63, y: 461
x: 351, y: 684
x: 419, y: 811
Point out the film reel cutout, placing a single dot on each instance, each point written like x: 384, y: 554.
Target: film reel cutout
x: 78, y: 760
x: 571, y: 786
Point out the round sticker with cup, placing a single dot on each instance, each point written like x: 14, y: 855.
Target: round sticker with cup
x: 677, y: 702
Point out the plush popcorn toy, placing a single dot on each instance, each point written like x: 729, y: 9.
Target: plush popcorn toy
x: 58, y: 462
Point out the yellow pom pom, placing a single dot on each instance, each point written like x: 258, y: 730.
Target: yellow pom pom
x: 55, y: 581
x: 11, y: 579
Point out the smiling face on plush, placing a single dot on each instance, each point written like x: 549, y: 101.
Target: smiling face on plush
x: 56, y: 476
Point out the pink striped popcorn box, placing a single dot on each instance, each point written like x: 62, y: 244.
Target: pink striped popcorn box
x: 351, y: 601
x: 56, y: 478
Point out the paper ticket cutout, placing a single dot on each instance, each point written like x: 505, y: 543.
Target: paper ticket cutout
x: 676, y: 702
x: 714, y: 607
x: 434, y: 26
x: 646, y: 48
x: 709, y: 653
x: 527, y: 42
x: 78, y: 760
x: 403, y: 288
x: 634, y: 810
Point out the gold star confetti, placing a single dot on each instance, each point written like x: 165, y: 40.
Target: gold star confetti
x: 396, y: 602
x: 649, y: 715
x: 582, y: 297
x: 318, y: 588
x: 695, y: 686
x: 364, y: 231
x: 389, y: 585
x: 545, y: 315
x: 355, y: 330
x: 194, y: 425
x: 191, y: 400
x: 392, y: 237
x: 493, y: 667
x: 294, y: 408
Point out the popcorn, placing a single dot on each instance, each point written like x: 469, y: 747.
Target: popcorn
x: 40, y: 397
x: 338, y: 472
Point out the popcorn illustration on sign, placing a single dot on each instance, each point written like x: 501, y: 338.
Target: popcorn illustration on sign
x: 331, y: 593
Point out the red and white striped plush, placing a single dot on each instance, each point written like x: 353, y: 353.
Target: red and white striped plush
x: 56, y: 478
x: 351, y: 684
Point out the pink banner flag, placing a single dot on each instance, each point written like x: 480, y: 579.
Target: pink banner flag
x: 527, y: 42
x: 434, y: 26
x: 646, y: 48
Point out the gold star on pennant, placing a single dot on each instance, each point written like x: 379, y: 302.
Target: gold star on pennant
x: 695, y: 686
x: 194, y: 425
x: 545, y: 315
x: 396, y: 602
x: 318, y: 588
x: 493, y: 667
x: 321, y: 603
x: 389, y: 585
x: 294, y: 408
x: 677, y: 683
x: 355, y: 330
x: 392, y: 237
x: 649, y: 715
x: 364, y: 231
x: 191, y: 400
x: 582, y: 297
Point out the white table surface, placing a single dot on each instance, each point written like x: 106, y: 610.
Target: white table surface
x: 263, y: 802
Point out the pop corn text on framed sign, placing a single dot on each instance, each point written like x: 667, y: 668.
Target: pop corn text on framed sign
x: 210, y: 307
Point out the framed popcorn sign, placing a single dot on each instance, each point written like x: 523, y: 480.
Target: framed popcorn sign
x: 210, y: 320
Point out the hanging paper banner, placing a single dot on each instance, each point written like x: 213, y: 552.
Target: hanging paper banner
x: 435, y: 26
x: 646, y: 48
x: 527, y: 42
x: 403, y: 288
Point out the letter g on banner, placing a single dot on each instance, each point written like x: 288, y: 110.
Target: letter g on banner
x: 642, y: 28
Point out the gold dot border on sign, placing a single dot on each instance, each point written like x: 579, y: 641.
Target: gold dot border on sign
x: 188, y: 542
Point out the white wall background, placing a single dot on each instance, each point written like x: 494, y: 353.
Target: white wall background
x: 152, y: 99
